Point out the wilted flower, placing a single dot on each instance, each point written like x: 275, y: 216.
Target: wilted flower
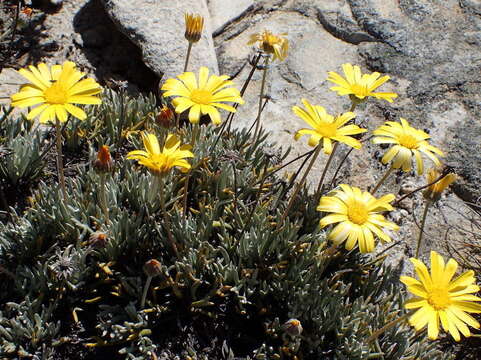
x: 359, y: 85
x: 433, y: 192
x: 202, y: 97
x: 55, y: 90
x: 165, y: 117
x: 359, y: 216
x: 160, y: 162
x: 194, y: 24
x: 293, y: 327
x: 441, y: 300
x: 270, y: 43
x: 153, y: 268
x: 104, y: 162
x: 407, y: 141
x: 327, y: 128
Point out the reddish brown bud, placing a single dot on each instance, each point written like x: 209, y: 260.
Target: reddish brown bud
x: 166, y: 117
x: 153, y: 268
x: 98, y: 239
x: 292, y: 327
x: 104, y: 162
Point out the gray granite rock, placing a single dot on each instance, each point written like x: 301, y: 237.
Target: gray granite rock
x: 224, y: 12
x: 157, y: 28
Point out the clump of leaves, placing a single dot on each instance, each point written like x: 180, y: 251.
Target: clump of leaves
x: 237, y: 278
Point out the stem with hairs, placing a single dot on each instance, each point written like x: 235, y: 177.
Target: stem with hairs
x: 421, y: 230
x: 187, y: 57
x: 166, y: 216
x: 379, y: 183
x: 261, y: 97
x: 61, y: 176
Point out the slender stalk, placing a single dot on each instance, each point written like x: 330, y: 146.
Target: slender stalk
x: 261, y: 97
x: 146, y: 289
x: 187, y: 57
x: 379, y: 183
x: 421, y: 231
x: 195, y: 135
x: 61, y: 176
x: 386, y: 327
x: 299, y: 186
x: 324, y: 172
x: 103, y: 199
x: 166, y: 216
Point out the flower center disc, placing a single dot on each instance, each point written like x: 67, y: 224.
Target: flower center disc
x: 56, y: 94
x: 357, y: 213
x: 327, y: 130
x: 201, y: 97
x: 359, y: 90
x: 408, y: 141
x: 438, y: 298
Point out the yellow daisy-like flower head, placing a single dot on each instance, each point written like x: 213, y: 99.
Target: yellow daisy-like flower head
x: 277, y: 45
x: 194, y: 24
x: 433, y: 192
x: 203, y: 96
x: 326, y: 127
x: 440, y: 300
x: 359, y: 85
x: 160, y: 162
x: 407, y: 141
x: 55, y: 90
x: 359, y: 217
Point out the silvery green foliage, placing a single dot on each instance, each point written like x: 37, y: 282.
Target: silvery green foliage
x: 21, y: 161
x: 237, y: 279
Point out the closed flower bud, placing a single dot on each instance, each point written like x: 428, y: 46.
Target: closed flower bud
x: 98, y: 239
x: 292, y: 327
x: 165, y: 118
x: 434, y: 191
x: 104, y: 162
x: 153, y: 268
x: 194, y: 24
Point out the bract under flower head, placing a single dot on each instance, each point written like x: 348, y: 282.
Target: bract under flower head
x: 160, y: 162
x: 270, y: 43
x: 440, y: 300
x: 203, y: 96
x: 407, y: 141
x: 55, y: 90
x: 359, y: 85
x: 358, y: 215
x: 327, y: 128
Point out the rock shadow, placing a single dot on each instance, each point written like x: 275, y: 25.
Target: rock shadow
x: 111, y: 53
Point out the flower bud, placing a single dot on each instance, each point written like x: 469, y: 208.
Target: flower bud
x: 153, y: 268
x: 104, y: 162
x: 194, y: 24
x: 98, y: 239
x: 292, y: 327
x: 166, y: 117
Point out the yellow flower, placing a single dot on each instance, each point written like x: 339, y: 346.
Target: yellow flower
x: 194, y: 24
x: 203, y: 96
x: 271, y: 44
x: 433, y: 192
x: 326, y: 127
x: 55, y: 90
x: 359, y: 216
x: 160, y: 162
x: 407, y: 141
x: 359, y: 85
x: 441, y: 300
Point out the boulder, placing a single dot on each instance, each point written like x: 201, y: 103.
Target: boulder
x: 157, y: 28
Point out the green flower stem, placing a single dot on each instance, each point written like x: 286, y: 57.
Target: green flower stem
x: 146, y: 289
x: 166, y: 216
x: 388, y: 326
x: 61, y: 176
x: 187, y: 57
x: 421, y: 231
x: 103, y: 199
x: 324, y: 172
x: 379, y: 183
x: 195, y: 135
x: 299, y: 185
x: 261, y: 97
